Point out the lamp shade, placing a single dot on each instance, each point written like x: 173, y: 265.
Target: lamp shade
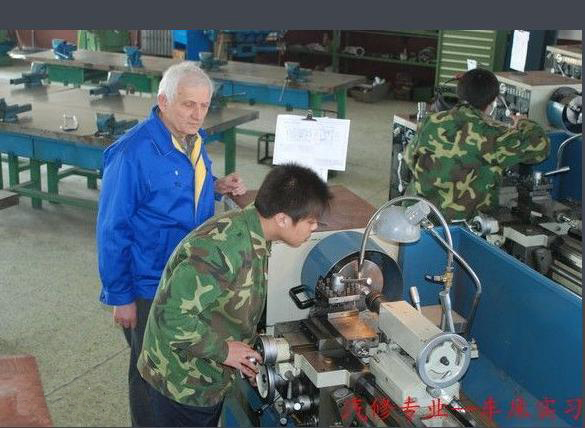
x: 401, y: 225
x: 392, y: 225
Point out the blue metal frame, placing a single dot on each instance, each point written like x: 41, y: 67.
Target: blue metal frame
x: 193, y: 41
x: 263, y: 94
x: 528, y: 328
x: 266, y: 94
x: 233, y: 415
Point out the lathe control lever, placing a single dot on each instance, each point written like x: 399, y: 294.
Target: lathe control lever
x: 302, y: 302
x: 415, y: 298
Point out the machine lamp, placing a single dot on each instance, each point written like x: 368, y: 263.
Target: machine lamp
x: 394, y: 223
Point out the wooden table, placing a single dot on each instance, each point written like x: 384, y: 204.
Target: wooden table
x: 259, y: 82
x: 22, y: 400
x: 37, y: 136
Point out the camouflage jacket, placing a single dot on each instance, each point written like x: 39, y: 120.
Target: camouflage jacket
x: 212, y: 290
x: 458, y: 158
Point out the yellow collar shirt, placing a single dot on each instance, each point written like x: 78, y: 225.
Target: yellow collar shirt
x: 193, y: 145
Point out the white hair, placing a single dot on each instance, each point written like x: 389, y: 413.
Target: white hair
x: 179, y: 72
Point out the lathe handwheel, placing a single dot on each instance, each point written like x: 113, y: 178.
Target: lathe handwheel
x: 444, y: 360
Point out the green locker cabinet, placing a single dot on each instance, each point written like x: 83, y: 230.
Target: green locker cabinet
x: 487, y: 47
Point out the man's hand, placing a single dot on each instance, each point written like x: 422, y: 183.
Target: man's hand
x: 125, y: 315
x: 241, y: 356
x: 231, y: 183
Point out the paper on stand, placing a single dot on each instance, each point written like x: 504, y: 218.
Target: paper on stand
x: 519, y: 50
x: 320, y: 144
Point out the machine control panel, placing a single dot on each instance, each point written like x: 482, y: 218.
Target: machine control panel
x: 529, y: 93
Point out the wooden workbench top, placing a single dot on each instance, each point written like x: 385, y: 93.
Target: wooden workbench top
x: 406, y: 119
x: 22, y: 400
x: 537, y: 78
x: 262, y: 74
x: 575, y: 51
x: 348, y: 210
x: 49, y: 104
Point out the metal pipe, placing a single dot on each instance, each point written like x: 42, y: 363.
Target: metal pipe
x: 557, y: 171
x: 561, y: 149
x: 475, y: 302
x: 446, y: 304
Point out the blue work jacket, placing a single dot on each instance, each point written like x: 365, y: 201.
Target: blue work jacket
x: 146, y: 207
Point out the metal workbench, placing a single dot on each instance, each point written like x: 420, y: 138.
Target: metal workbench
x: 259, y: 82
x: 38, y: 137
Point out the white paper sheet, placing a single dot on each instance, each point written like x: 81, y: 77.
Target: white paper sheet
x: 519, y: 50
x: 320, y: 144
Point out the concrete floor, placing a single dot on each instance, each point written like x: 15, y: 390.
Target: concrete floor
x: 49, y: 285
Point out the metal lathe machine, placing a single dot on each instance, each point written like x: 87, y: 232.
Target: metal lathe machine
x: 380, y: 340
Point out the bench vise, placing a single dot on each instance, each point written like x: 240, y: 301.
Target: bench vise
x: 5, y: 46
x: 34, y: 78
x: 296, y: 74
x: 133, y: 55
x: 218, y: 100
x: 110, y: 87
x: 8, y: 113
x: 62, y: 49
x: 108, y: 126
x: 209, y: 63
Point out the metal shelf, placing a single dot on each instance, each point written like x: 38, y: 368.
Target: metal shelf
x: 364, y: 57
x: 298, y: 49
x: 432, y: 34
x: 336, y: 54
x: 389, y: 60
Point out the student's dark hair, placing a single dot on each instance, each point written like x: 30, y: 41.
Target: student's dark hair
x: 294, y: 190
x: 479, y: 87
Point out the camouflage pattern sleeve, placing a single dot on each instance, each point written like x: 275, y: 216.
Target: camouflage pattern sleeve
x: 408, y: 154
x: 181, y: 307
x: 527, y: 143
x: 213, y: 290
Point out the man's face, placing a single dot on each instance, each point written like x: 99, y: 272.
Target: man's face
x: 295, y: 234
x: 184, y: 115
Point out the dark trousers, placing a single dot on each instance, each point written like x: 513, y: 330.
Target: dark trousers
x: 169, y: 413
x: 141, y: 414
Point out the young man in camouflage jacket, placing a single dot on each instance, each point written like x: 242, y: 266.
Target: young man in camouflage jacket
x: 212, y: 295
x: 458, y: 156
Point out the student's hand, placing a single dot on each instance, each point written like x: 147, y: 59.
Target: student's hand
x: 517, y: 118
x: 231, y: 183
x: 241, y: 356
x: 125, y: 315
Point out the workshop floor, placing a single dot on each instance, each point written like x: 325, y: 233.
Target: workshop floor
x: 48, y: 274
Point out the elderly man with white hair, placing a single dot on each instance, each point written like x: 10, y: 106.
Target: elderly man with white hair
x: 157, y: 186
